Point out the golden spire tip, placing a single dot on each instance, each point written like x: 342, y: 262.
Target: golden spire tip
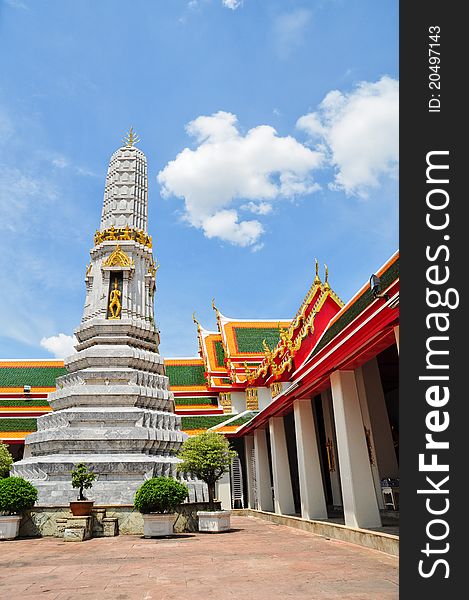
x: 131, y: 138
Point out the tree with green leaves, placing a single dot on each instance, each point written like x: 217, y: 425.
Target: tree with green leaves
x: 207, y: 456
x: 6, y: 460
x: 82, y: 479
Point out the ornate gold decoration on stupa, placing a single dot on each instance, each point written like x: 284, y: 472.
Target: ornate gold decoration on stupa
x: 123, y: 234
x: 153, y: 268
x: 131, y: 138
x: 114, y: 304
x: 118, y: 258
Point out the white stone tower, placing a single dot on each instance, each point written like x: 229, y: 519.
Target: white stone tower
x: 113, y: 410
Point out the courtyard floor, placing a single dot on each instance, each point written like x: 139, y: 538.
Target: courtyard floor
x: 255, y: 561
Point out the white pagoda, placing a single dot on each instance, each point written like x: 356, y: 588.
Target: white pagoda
x: 113, y: 409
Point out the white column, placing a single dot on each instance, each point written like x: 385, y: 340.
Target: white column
x: 396, y: 334
x: 369, y: 430
x: 313, y: 503
x: 358, y: 493
x: 264, y: 488
x: 223, y: 491
x: 248, y: 448
x: 283, y: 494
x: 382, y: 435
x: 326, y: 401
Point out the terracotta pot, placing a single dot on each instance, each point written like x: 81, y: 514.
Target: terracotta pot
x: 81, y: 508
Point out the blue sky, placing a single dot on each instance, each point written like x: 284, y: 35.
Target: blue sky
x: 270, y: 130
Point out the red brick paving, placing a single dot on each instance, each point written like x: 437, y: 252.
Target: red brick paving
x: 256, y: 561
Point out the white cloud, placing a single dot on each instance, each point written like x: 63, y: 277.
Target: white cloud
x: 60, y: 345
x: 22, y: 198
x: 261, y: 208
x: 360, y: 131
x: 227, y: 167
x: 60, y: 162
x: 233, y: 4
x: 224, y: 225
x: 289, y: 30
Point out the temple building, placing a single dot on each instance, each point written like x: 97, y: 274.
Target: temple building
x: 309, y: 402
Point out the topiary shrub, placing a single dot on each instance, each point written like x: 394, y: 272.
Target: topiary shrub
x: 6, y: 460
x: 82, y: 479
x: 160, y: 495
x: 16, y: 495
x: 207, y: 456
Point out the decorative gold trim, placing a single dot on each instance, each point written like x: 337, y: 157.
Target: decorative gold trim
x: 118, y: 258
x: 252, y: 399
x: 153, y: 268
x: 123, y: 234
x: 225, y: 401
x: 275, y: 389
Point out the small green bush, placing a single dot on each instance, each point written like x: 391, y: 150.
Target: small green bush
x: 6, y: 460
x: 16, y: 495
x: 160, y: 495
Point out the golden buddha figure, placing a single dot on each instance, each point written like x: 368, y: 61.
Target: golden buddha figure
x: 114, y: 304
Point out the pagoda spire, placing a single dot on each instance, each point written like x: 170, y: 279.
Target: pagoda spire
x: 125, y: 201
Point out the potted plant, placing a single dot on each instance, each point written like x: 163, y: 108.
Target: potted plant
x: 208, y: 456
x: 82, y: 479
x: 6, y: 460
x: 157, y: 500
x: 16, y: 496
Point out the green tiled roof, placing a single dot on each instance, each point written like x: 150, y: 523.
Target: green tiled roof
x: 33, y: 376
x: 390, y: 275
x: 249, y: 339
x: 180, y: 375
x: 202, y: 422
x: 200, y: 400
x: 220, y: 354
x: 22, y: 402
x: 243, y: 418
x: 16, y: 424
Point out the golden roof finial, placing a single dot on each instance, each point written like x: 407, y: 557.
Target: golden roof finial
x: 317, y: 280
x: 215, y: 308
x: 131, y: 138
x: 194, y: 318
x: 326, y: 282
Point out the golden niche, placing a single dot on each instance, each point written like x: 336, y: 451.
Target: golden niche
x: 118, y: 258
x: 115, y: 306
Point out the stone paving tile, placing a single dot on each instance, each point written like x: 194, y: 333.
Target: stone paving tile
x: 256, y: 561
